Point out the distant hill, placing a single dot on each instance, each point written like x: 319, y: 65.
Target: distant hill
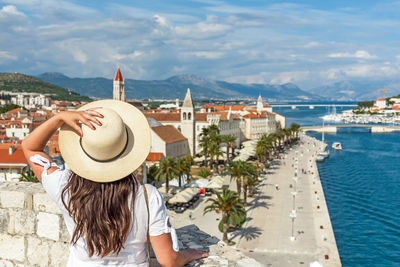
x: 16, y: 82
x: 175, y: 87
x: 357, y: 90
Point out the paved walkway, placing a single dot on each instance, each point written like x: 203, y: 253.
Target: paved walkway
x: 266, y: 235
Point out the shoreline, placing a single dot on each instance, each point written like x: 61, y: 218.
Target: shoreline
x: 326, y: 240
x: 266, y: 234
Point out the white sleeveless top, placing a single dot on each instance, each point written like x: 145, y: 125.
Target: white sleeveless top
x: 134, y: 253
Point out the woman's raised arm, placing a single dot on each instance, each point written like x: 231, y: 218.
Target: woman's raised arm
x: 37, y: 140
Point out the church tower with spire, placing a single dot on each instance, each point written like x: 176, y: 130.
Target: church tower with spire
x: 188, y: 122
x: 260, y: 105
x: 119, y: 87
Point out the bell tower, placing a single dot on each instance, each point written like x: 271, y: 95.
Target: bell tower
x: 188, y: 122
x: 119, y: 87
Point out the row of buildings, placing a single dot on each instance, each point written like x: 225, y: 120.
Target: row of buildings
x: 174, y: 132
x: 27, y: 100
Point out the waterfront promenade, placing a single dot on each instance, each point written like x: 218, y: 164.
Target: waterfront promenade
x: 266, y: 234
x: 314, y: 238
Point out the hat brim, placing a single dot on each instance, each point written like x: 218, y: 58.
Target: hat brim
x: 135, y: 153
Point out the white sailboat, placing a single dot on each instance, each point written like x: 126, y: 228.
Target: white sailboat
x: 324, y: 154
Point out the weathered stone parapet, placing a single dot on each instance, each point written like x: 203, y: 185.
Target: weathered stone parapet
x: 33, y: 233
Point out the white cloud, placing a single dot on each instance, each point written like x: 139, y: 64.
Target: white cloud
x: 10, y: 10
x: 361, y: 54
x: 7, y: 56
x: 205, y: 54
x: 312, y: 44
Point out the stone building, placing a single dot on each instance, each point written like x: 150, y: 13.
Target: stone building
x: 190, y: 123
x: 167, y: 140
x: 119, y: 87
x: 12, y: 161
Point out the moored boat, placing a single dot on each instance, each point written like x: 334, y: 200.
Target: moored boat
x: 337, y: 146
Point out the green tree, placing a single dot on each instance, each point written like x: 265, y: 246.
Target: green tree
x: 180, y: 169
x: 166, y: 171
x: 28, y: 176
x: 204, y: 173
x: 188, y: 167
x: 230, y: 206
x: 250, y: 175
x: 228, y: 140
x: 236, y: 170
x: 296, y: 128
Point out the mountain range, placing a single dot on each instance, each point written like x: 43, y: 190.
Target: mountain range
x: 16, y: 82
x: 356, y: 90
x: 176, y: 86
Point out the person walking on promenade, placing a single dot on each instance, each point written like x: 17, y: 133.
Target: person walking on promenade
x: 112, y: 218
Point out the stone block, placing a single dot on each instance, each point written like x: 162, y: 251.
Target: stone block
x: 4, y: 217
x: 42, y: 202
x: 12, y: 247
x: 4, y: 263
x: 59, y: 253
x: 21, y: 222
x: 48, y: 226
x: 64, y: 234
x: 38, y: 251
x: 12, y: 199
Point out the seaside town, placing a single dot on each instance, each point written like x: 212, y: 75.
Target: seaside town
x: 203, y: 159
x: 381, y: 110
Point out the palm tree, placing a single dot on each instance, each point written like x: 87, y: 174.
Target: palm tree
x: 231, y: 208
x: 204, y: 173
x: 296, y: 128
x: 249, y: 175
x: 236, y: 170
x: 180, y: 169
x: 166, y: 171
x: 188, y: 167
x: 228, y: 140
x: 204, y: 143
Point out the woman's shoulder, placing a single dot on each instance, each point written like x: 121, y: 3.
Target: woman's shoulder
x: 153, y: 195
x: 150, y: 189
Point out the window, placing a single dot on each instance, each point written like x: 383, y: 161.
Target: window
x: 189, y: 116
x: 184, y: 115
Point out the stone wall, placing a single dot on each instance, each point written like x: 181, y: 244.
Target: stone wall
x: 32, y: 230
x: 33, y: 233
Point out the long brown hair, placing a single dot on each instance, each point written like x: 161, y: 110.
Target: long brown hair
x: 101, y: 211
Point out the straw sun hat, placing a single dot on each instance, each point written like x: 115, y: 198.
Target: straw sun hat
x: 112, y: 151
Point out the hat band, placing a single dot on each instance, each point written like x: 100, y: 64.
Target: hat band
x: 106, y: 160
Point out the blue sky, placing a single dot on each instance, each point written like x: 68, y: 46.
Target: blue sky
x: 309, y: 43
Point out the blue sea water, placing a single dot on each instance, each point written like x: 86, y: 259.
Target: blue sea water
x: 362, y: 190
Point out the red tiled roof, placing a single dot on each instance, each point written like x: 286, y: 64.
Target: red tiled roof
x: 253, y: 116
x: 169, y: 134
x: 201, y: 116
x: 17, y: 157
x: 154, y: 156
x: 225, y: 108
x: 164, y: 116
x: 118, y: 76
x: 15, y: 110
x: 380, y: 99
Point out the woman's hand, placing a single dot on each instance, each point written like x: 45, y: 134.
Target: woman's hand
x: 75, y: 118
x: 192, y: 254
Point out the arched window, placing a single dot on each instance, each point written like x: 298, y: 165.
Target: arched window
x: 184, y: 115
x: 189, y: 116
